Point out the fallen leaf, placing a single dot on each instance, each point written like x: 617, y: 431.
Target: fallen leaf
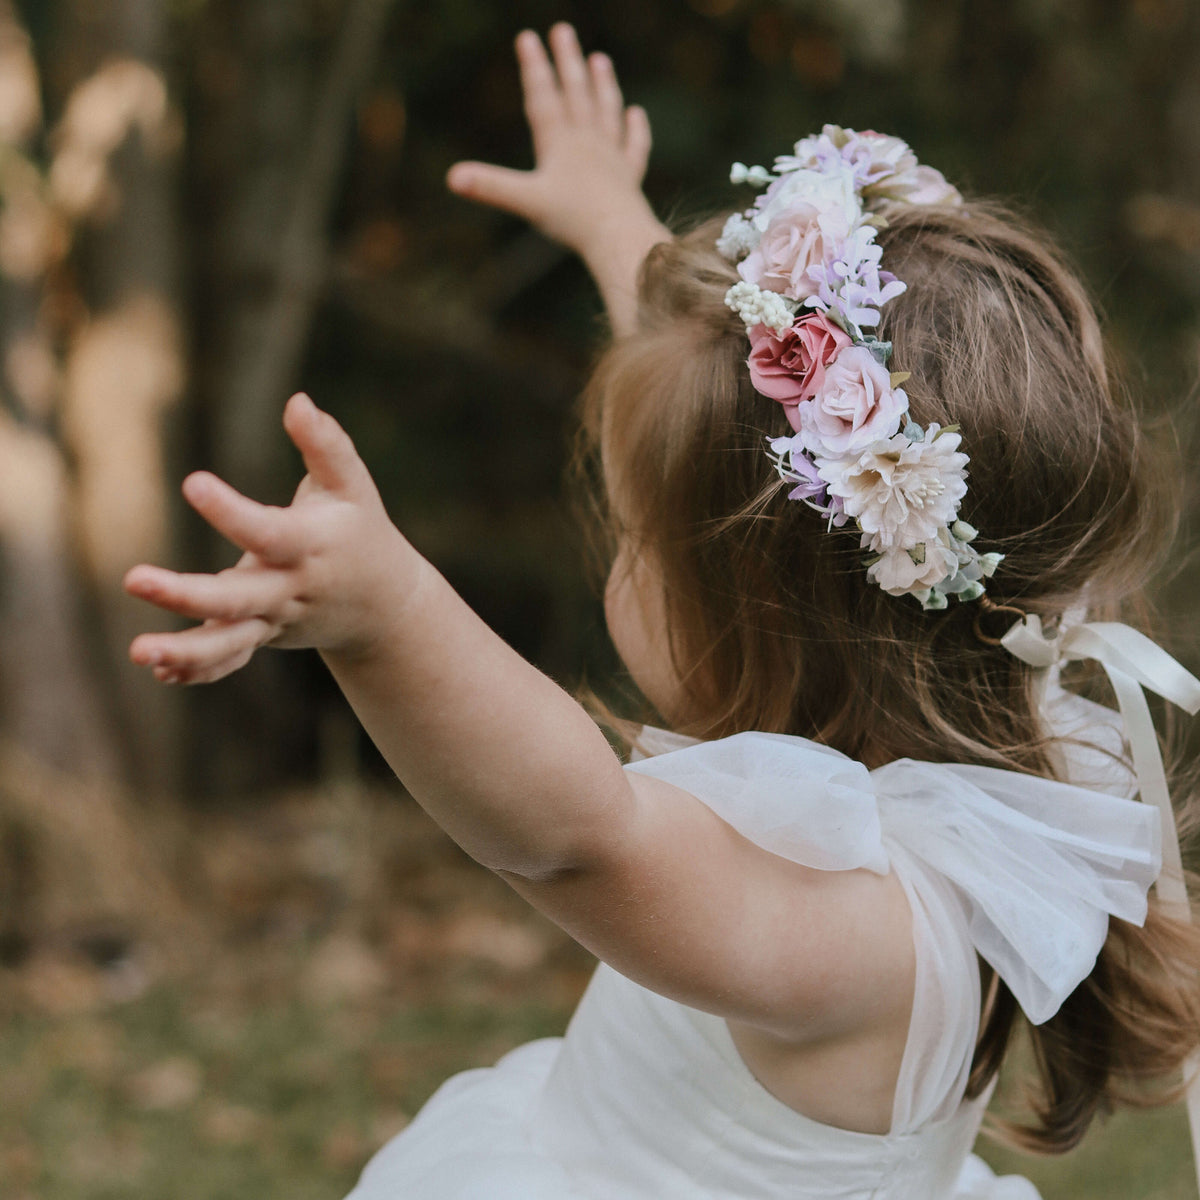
x: 224, y: 1124
x: 343, y: 969
x: 513, y: 945
x: 344, y: 1146
x: 167, y: 1085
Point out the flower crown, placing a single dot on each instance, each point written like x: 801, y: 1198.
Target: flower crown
x: 811, y: 284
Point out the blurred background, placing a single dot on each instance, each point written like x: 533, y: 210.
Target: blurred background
x: 234, y: 957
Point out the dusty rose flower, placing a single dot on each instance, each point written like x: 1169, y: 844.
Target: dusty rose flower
x: 790, y: 367
x: 855, y: 406
x: 917, y: 185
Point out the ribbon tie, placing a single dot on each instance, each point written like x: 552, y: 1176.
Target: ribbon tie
x: 1132, y: 662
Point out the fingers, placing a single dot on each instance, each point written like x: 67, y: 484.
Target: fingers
x: 573, y: 74
x: 610, y: 104
x: 237, y: 594
x: 513, y: 191
x: 637, y: 138
x: 258, y: 528
x: 543, y: 100
x: 570, y: 87
x: 329, y: 454
x: 203, y: 654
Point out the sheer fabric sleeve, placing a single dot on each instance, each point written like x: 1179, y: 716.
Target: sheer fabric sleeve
x: 816, y: 807
x: 946, y: 999
x: 1022, y: 871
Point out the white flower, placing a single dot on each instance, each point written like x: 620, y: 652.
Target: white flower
x: 901, y: 493
x: 738, y: 238
x: 830, y: 191
x: 904, y: 571
x: 757, y: 307
x: 883, y: 167
x: 757, y: 176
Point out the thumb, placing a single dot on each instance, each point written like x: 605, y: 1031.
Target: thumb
x: 514, y: 191
x: 329, y: 454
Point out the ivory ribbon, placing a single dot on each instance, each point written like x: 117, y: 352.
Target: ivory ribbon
x: 1132, y: 662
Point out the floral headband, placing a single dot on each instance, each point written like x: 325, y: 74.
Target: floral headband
x: 810, y: 286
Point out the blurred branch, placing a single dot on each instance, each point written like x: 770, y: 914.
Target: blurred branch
x: 431, y: 311
x: 251, y: 413
x: 432, y: 314
x: 1165, y: 219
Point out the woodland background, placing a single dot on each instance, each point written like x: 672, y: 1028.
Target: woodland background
x: 233, y: 957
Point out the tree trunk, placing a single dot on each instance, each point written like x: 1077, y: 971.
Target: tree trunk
x: 278, y: 106
x: 125, y: 369
x: 51, y: 697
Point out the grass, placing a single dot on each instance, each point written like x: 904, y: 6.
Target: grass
x: 351, y: 959
x: 160, y: 1098
x: 1131, y: 1156
x: 175, y: 1095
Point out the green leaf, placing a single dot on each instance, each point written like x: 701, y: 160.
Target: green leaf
x: 881, y: 351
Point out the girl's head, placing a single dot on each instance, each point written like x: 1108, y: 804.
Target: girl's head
x: 767, y: 620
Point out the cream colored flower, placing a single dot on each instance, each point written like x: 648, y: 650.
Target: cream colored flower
x: 901, y: 571
x: 800, y: 194
x: 901, y: 492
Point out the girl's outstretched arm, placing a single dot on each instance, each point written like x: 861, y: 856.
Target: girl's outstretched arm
x: 590, y: 156
x: 517, y: 773
x: 488, y: 744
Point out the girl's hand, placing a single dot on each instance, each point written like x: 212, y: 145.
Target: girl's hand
x: 590, y: 150
x: 313, y: 574
x: 590, y: 153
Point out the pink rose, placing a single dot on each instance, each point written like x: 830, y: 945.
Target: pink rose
x: 855, y: 406
x: 916, y: 185
x: 801, y: 237
x: 790, y: 367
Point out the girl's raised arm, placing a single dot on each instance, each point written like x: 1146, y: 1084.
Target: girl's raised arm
x: 590, y: 155
x: 513, y: 768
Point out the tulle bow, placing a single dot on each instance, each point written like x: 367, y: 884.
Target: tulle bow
x: 1132, y: 662
x: 1041, y: 865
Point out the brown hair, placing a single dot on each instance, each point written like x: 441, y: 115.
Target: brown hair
x: 774, y: 626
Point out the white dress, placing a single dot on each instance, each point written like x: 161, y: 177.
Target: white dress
x: 647, y: 1099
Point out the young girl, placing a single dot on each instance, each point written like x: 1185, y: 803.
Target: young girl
x: 878, y: 830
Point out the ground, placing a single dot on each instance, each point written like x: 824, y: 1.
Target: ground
x: 327, y: 960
